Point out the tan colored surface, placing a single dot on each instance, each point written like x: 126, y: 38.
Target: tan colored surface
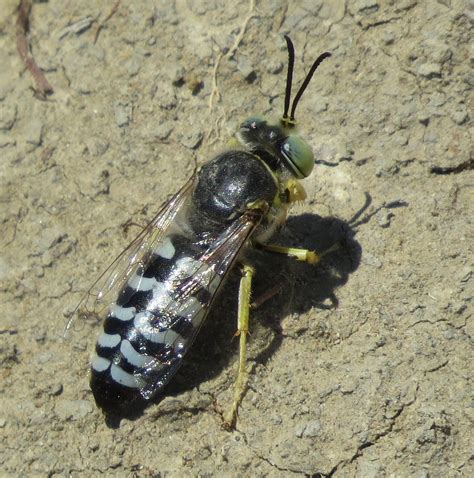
x: 379, y: 385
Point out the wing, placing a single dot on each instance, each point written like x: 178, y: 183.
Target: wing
x: 176, y: 325
x: 104, y: 290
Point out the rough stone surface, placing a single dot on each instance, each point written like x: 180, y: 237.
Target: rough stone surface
x: 363, y: 365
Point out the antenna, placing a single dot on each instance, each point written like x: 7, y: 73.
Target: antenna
x: 289, y: 76
x: 310, y: 74
x: 290, y: 121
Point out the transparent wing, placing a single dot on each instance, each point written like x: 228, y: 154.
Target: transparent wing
x: 104, y: 290
x: 192, y: 297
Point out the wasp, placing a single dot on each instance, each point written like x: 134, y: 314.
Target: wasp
x: 156, y: 295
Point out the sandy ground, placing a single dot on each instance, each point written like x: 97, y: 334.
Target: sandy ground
x: 360, y: 367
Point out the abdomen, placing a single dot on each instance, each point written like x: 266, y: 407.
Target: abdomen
x: 152, y: 324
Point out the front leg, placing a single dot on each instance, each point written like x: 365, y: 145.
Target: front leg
x: 302, y: 255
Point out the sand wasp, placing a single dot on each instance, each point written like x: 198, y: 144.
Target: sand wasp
x: 158, y: 292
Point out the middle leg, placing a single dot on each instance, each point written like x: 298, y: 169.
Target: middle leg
x: 240, y: 387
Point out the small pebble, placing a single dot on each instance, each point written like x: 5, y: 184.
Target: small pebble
x: 40, y: 336
x: 348, y: 387
x: 73, y: 409
x: 161, y: 131
x: 165, y: 96
x: 422, y: 474
x: 430, y: 70
x: 273, y: 66
x: 122, y: 115
x: 423, y: 117
x: 310, y: 429
x: 465, y: 274
x: 371, y: 260
x: 191, y: 140
x: 55, y: 389
x: 34, y: 132
x: 369, y: 469
x: 44, y: 358
x: 8, y: 115
x: 384, y: 217
x: 389, y: 38
x: 245, y: 67
x: 134, y: 64
x: 319, y: 105
x: 97, y: 146
x: 459, y: 307
x: 276, y: 419
x: 460, y: 117
x: 449, y: 334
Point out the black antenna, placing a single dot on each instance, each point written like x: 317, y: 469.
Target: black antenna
x: 310, y: 74
x: 289, y: 77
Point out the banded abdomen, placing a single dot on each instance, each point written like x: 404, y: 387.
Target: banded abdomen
x: 153, y: 322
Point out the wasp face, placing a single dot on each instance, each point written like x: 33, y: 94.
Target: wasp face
x: 273, y: 143
x: 279, y: 149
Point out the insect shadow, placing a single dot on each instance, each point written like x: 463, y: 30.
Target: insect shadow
x: 300, y: 286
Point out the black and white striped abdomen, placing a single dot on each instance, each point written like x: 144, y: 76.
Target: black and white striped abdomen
x: 152, y: 323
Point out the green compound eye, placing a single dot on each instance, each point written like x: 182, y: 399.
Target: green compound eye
x: 299, y: 155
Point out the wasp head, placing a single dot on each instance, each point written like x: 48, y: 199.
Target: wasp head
x: 276, y: 144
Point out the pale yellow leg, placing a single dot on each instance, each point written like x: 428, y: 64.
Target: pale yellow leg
x: 230, y: 417
x: 303, y: 255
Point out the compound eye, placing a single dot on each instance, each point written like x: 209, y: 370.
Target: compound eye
x: 252, y: 123
x: 299, y: 155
